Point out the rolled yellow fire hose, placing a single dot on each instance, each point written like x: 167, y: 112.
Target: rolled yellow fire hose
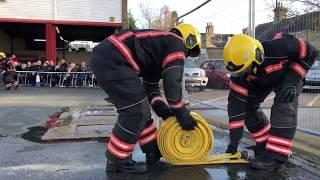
x: 194, y: 147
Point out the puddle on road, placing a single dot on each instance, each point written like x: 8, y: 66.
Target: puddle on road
x: 34, y: 134
x: 164, y: 171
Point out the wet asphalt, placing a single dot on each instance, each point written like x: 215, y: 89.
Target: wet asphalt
x: 31, y: 159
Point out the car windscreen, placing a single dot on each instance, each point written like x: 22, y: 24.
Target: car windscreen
x: 219, y: 65
x: 316, y: 66
x: 190, y: 64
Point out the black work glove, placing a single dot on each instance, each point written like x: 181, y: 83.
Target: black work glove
x: 288, y: 93
x: 162, y: 110
x: 186, y: 120
x: 166, y: 115
x: 232, y: 148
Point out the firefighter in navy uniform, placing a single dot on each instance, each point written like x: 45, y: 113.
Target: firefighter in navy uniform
x: 278, y: 65
x: 117, y: 62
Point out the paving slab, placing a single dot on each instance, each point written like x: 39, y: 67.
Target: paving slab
x: 81, y: 123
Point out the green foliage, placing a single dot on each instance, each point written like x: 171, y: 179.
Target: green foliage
x: 131, y: 21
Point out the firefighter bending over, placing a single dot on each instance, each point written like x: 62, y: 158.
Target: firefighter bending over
x: 117, y: 62
x: 279, y: 66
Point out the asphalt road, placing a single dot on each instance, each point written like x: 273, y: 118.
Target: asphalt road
x: 23, y: 159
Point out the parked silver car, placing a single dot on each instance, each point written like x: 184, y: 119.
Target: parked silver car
x: 312, y: 81
x: 194, y: 76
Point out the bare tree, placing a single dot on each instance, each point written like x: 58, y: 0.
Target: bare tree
x: 162, y: 18
x: 148, y: 15
x: 295, y: 7
x: 311, y: 5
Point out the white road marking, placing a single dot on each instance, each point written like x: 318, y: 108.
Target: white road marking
x: 212, y: 100
x: 314, y: 100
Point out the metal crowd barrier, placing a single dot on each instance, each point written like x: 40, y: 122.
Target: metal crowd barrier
x: 58, y: 79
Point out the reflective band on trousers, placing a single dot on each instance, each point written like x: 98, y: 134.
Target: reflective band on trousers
x: 181, y: 147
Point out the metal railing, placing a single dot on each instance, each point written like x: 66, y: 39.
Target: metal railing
x: 58, y: 79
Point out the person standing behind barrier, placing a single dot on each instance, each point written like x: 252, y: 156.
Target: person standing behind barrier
x: 10, y: 76
x: 82, y: 77
x: 37, y: 67
x: 69, y: 76
x: 117, y: 62
x: 29, y: 66
x: 16, y: 62
x: 278, y: 65
x: 54, y: 77
x: 63, y: 67
x: 46, y: 66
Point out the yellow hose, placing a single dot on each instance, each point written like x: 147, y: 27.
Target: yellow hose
x: 181, y: 147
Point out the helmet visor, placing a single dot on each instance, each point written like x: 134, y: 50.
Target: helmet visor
x: 191, y: 41
x: 259, y: 56
x: 232, y: 67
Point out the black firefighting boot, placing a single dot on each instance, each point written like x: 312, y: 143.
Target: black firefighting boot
x: 259, y: 149
x: 266, y: 162
x: 130, y: 167
x: 7, y: 89
x: 153, y: 157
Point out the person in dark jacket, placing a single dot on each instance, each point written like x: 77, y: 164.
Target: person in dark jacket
x: 37, y: 67
x: 118, y: 62
x: 63, y: 67
x: 10, y: 77
x: 279, y: 66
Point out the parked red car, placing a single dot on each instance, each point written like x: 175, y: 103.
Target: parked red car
x: 218, y: 76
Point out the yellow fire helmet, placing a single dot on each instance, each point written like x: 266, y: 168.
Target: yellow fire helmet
x: 2, y: 55
x: 241, y: 51
x: 191, y: 38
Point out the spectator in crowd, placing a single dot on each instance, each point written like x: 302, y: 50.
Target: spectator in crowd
x: 10, y: 76
x: 46, y: 67
x: 24, y: 67
x: 29, y: 66
x: 37, y: 67
x: 83, y: 67
x: 59, y: 67
x: 23, y: 77
x: 82, y: 77
x: 15, y: 60
x: 68, y: 77
x: 52, y: 66
x: 62, y: 66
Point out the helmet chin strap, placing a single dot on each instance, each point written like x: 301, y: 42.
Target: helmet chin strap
x: 254, y: 68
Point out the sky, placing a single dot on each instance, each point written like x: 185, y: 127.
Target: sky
x: 227, y: 16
